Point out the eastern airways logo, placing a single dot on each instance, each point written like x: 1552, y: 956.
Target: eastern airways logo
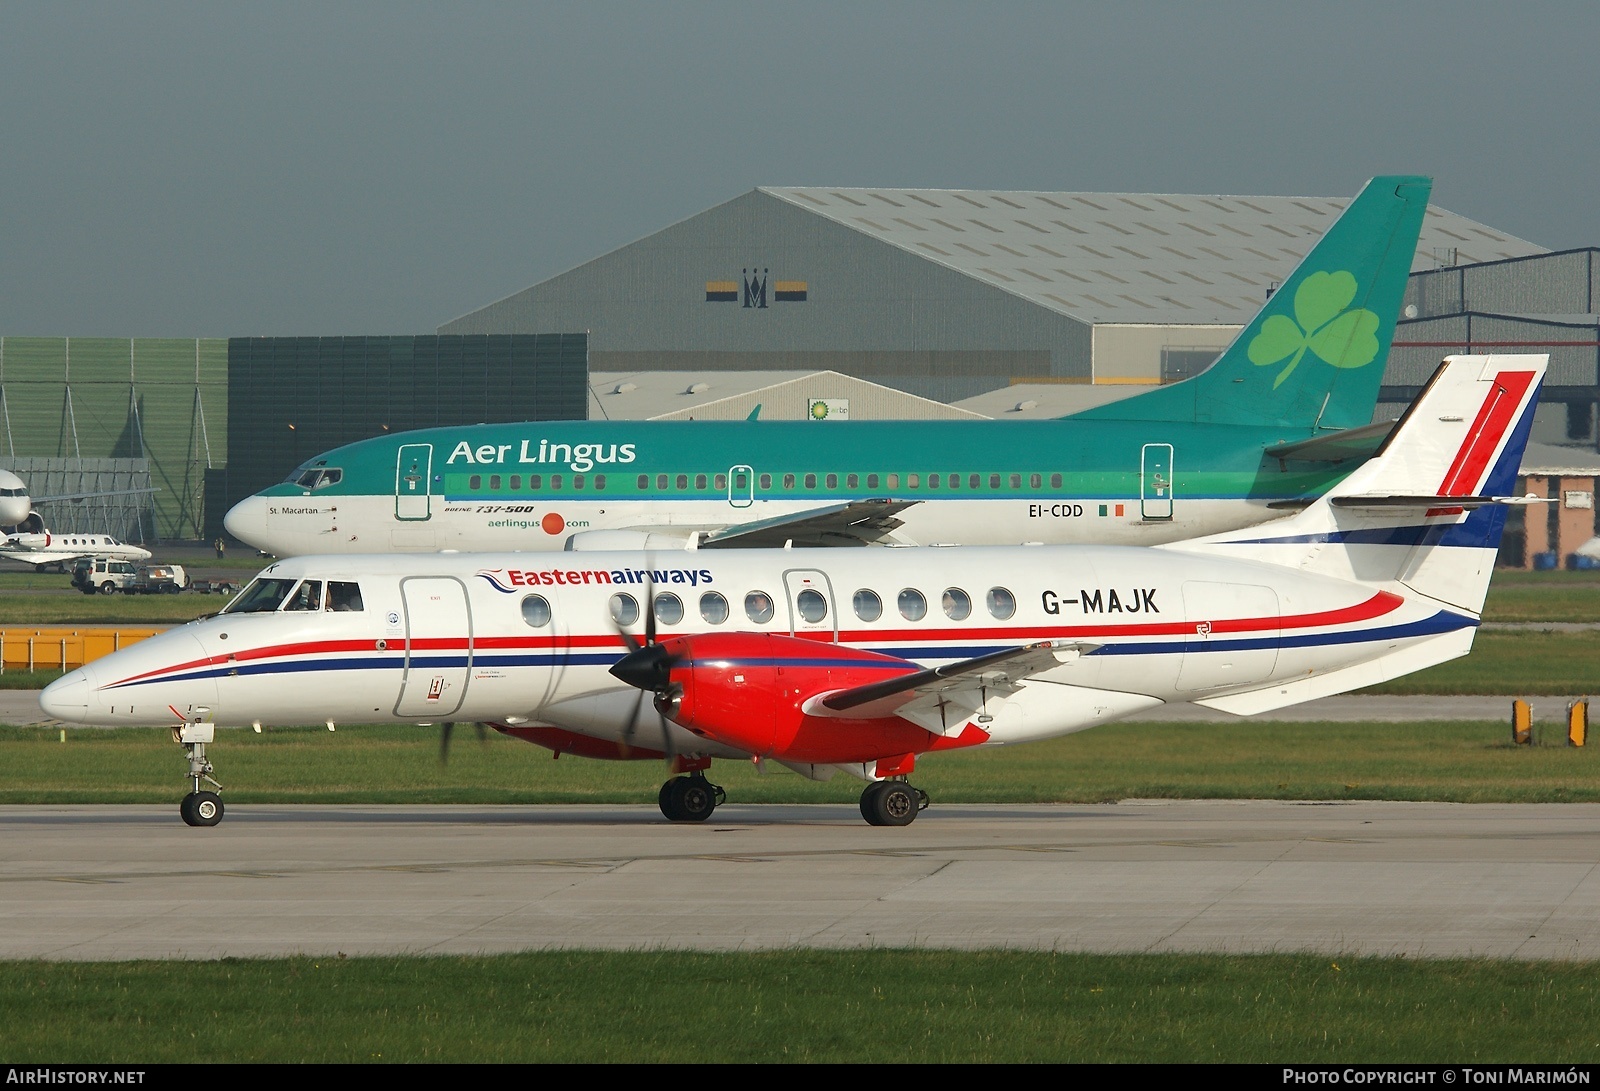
x: 1321, y: 325
x: 511, y: 580
x: 753, y: 288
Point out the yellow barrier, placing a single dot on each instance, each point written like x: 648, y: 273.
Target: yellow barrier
x: 1521, y: 723
x: 62, y: 649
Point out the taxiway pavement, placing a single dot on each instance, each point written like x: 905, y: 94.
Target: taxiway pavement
x: 1417, y: 879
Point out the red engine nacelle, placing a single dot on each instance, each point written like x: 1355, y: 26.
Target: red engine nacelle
x: 747, y: 690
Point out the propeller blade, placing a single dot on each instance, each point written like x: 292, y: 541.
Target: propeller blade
x: 444, y: 742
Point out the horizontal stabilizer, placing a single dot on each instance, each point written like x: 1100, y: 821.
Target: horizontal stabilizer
x: 858, y: 522
x: 1342, y: 446
x: 1422, y: 502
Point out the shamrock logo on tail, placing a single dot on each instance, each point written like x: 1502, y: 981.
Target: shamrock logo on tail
x: 1340, y: 337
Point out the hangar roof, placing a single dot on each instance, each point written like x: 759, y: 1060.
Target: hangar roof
x: 731, y: 395
x: 1126, y: 257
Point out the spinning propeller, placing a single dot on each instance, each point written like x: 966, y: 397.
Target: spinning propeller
x: 648, y: 668
x: 445, y: 731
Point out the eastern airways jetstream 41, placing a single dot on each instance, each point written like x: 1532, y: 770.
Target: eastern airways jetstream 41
x: 859, y: 660
x: 1283, y: 413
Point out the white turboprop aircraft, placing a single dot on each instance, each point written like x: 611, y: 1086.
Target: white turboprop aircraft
x: 859, y: 660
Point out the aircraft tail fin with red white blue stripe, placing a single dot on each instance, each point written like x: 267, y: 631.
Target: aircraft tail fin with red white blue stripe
x: 1427, y: 511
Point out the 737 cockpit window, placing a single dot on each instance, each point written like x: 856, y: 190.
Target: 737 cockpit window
x: 263, y: 596
x: 319, y: 479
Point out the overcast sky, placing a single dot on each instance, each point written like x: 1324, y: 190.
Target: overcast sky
x: 361, y: 168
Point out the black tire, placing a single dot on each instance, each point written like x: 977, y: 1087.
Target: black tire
x: 664, y: 800
x: 171, y: 589
x: 895, y: 803
x: 186, y: 809
x: 692, y: 799
x: 206, y: 808
x: 108, y: 588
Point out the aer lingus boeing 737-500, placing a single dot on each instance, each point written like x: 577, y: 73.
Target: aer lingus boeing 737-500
x: 1284, y: 412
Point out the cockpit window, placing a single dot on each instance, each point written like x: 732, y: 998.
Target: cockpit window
x: 344, y: 596
x: 318, y: 478
x: 263, y: 596
x: 308, y: 596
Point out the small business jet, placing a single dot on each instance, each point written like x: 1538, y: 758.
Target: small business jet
x: 859, y: 661
x: 59, y: 551
x: 27, y: 541
x: 1283, y: 413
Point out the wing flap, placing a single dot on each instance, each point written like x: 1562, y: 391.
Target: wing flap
x: 853, y: 523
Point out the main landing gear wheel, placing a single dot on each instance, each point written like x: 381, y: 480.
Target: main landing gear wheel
x: 690, y: 799
x: 201, y: 809
x: 892, y: 803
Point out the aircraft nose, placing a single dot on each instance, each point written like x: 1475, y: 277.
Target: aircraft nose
x: 246, y: 520
x: 67, y: 698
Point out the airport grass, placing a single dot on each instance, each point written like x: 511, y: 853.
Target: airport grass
x: 1512, y: 663
x: 1433, y: 761
x: 877, y: 1006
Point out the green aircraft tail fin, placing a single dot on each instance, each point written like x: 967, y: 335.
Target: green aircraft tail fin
x: 1313, y: 357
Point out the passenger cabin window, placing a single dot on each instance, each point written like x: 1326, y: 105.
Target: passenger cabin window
x: 308, y: 596
x: 852, y: 481
x: 599, y: 482
x: 1016, y: 481
x: 536, y: 611
x: 669, y: 608
x: 973, y: 479
x: 555, y: 482
x: 933, y: 481
x: 812, y: 605
x: 535, y: 481
x: 788, y: 481
x: 475, y: 482
x: 683, y: 482
x: 1055, y: 481
x: 766, y: 482
x: 833, y: 481
x: 644, y: 482
x: 811, y: 481
x: 868, y: 606
x: 913, y: 607
x: 1035, y: 481
x: 516, y: 482
x: 1002, y: 604
x: 263, y: 596
x: 758, y: 607
x: 494, y: 482
x: 577, y: 481
x: 699, y: 481
x: 713, y: 608
x: 344, y: 596
x: 722, y: 482
x: 957, y: 604
x: 624, y: 609
x: 661, y: 482
x: 872, y: 481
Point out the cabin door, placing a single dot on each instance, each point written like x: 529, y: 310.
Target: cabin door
x: 413, y: 475
x: 812, y: 608
x: 438, y: 621
x: 1155, y: 481
x: 741, y: 486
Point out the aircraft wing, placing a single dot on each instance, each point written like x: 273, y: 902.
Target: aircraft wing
x: 1341, y: 446
x: 941, y: 699
x: 855, y: 523
x: 92, y: 495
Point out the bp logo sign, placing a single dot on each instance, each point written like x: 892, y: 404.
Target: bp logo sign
x: 1324, y: 324
x: 829, y: 409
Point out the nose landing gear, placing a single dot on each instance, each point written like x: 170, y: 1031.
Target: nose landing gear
x: 199, y: 808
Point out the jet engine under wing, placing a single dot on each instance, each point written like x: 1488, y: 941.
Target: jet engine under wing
x: 1341, y: 446
x: 941, y: 699
x: 856, y: 523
